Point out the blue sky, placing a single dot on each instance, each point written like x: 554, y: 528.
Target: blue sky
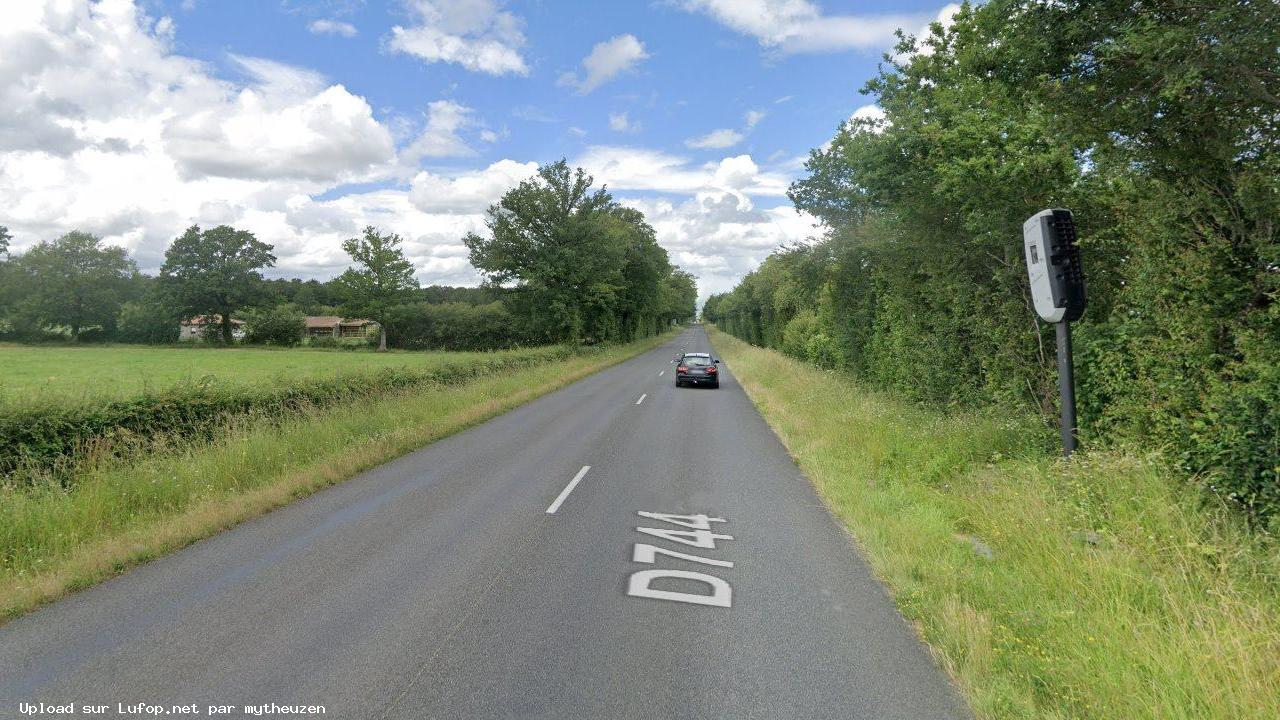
x: 304, y: 120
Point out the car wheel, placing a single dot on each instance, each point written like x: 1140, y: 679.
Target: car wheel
x: 678, y: 383
x: 716, y: 385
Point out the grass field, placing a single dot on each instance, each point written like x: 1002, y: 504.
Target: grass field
x: 1097, y: 588
x: 67, y: 374
x: 56, y: 538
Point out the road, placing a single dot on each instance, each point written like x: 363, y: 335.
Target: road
x: 475, y: 579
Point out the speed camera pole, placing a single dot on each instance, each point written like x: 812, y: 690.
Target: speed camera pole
x: 1067, y: 388
x: 1057, y: 291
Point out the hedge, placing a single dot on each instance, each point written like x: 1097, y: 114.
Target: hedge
x: 46, y: 439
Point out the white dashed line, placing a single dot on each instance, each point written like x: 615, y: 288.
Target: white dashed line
x: 568, y: 489
x: 642, y: 397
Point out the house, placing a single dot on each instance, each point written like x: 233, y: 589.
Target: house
x: 337, y: 327
x: 198, y: 326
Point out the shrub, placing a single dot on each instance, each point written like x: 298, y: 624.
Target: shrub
x: 282, y: 325
x: 454, y: 326
x: 146, y: 322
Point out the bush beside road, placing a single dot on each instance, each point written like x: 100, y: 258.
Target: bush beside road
x: 1095, y: 588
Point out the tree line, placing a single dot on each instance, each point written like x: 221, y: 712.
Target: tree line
x: 1158, y: 124
x: 563, y: 262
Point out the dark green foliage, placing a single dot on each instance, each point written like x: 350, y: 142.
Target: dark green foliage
x: 1156, y: 122
x: 146, y: 322
x: 448, y: 294
x: 214, y: 272
x: 381, y: 279
x: 49, y: 438
x: 281, y: 325
x: 75, y: 282
x: 312, y: 297
x: 455, y: 326
x: 576, y: 265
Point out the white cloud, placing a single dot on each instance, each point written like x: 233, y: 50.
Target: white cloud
x: 606, y: 61
x: 469, y: 192
x: 720, y: 236
x: 440, y: 138
x: 800, y: 26
x: 284, y: 124
x: 706, y: 215
x: 716, y: 139
x: 872, y: 112
x: 726, y: 137
x: 332, y: 27
x: 629, y: 168
x: 621, y: 122
x: 475, y: 34
x: 108, y: 131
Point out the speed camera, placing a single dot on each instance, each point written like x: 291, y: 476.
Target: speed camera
x: 1053, y: 264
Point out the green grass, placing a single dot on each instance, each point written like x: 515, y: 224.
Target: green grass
x: 34, y: 374
x: 54, y: 539
x: 1112, y: 590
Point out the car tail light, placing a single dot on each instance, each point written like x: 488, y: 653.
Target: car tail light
x: 682, y: 369
x: 711, y: 368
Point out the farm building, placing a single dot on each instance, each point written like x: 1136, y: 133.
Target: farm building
x: 336, y: 327
x: 195, y: 328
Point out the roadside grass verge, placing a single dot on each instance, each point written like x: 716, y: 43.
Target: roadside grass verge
x: 54, y: 538
x: 1095, y: 588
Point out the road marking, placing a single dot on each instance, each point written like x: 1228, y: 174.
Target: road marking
x: 568, y: 489
x: 664, y: 372
x: 641, y: 582
x: 642, y: 397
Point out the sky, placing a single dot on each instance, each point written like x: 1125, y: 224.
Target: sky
x: 303, y: 121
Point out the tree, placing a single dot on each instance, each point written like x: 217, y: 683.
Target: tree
x: 214, y: 272
x: 12, y: 281
x: 76, y: 281
x: 279, y: 325
x: 146, y: 321
x: 382, y: 279
x: 1156, y: 122
x: 679, y: 296
x: 551, y: 244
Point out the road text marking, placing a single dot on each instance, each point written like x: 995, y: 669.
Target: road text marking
x: 568, y: 489
x: 642, y: 397
x: 640, y: 584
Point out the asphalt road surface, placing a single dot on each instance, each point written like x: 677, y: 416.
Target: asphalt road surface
x: 508, y: 572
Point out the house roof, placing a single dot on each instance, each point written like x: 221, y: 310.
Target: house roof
x: 317, y: 321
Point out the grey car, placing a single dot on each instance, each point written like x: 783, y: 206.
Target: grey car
x: 697, y: 369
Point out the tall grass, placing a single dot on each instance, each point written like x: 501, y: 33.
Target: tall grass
x: 55, y: 538
x: 1094, y: 588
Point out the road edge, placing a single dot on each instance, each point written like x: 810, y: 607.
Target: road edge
x: 113, y: 555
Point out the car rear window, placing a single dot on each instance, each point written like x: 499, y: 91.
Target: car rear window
x: 696, y: 360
